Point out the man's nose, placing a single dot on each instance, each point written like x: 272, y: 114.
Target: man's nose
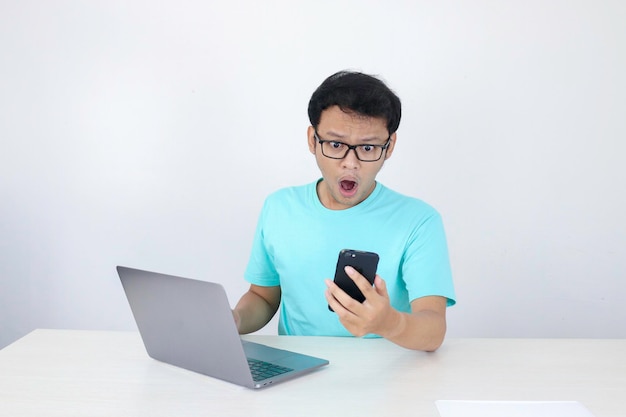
x: 351, y: 160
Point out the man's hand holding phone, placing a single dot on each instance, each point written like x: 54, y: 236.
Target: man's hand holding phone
x: 374, y: 314
x: 365, y: 263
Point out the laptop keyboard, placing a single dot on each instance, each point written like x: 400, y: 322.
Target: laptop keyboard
x: 262, y: 370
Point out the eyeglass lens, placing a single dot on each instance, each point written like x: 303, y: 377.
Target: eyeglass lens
x: 340, y: 150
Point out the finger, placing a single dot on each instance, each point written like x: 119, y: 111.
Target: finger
x: 361, y: 282
x: 338, y: 297
x: 330, y: 296
x: 332, y: 301
x: 380, y: 285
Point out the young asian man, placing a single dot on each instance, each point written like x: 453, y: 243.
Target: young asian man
x: 354, y: 118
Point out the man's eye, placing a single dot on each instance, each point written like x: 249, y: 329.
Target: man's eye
x: 367, y: 148
x: 336, y: 145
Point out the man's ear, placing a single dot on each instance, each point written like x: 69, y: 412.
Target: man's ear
x: 310, y: 133
x: 392, y: 145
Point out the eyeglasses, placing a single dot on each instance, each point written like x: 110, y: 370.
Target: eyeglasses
x: 338, y: 150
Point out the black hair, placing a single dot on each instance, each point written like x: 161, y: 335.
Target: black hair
x: 356, y: 92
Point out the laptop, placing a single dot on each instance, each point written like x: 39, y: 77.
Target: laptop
x: 189, y: 323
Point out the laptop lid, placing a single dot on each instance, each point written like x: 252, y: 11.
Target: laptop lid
x: 188, y: 323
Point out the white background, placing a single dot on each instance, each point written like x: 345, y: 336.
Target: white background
x: 148, y: 133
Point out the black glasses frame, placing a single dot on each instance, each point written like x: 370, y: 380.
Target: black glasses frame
x: 352, y: 148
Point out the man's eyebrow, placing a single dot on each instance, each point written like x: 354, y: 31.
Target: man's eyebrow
x: 339, y: 136
x: 371, y: 139
x: 335, y: 135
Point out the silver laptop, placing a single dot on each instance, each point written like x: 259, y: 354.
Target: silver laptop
x: 189, y: 323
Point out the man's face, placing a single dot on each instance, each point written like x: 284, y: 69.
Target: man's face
x: 348, y: 181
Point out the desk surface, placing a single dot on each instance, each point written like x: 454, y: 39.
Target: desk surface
x: 98, y: 373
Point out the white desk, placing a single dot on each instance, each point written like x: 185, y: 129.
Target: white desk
x: 95, y: 373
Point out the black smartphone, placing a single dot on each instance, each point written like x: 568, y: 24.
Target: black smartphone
x: 364, y: 262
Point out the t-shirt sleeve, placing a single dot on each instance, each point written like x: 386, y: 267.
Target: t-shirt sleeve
x: 426, y: 264
x: 260, y: 270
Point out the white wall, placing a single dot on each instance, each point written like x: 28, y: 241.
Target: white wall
x: 148, y: 133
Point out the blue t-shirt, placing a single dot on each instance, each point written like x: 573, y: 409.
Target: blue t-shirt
x: 298, y: 240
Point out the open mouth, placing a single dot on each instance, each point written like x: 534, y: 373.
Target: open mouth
x: 347, y: 187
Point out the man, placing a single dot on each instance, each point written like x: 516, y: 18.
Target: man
x: 354, y: 118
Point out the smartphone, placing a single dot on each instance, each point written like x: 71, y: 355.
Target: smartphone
x: 364, y: 262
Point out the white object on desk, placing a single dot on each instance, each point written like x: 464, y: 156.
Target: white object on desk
x: 512, y: 409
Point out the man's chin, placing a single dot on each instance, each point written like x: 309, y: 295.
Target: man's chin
x: 347, y: 201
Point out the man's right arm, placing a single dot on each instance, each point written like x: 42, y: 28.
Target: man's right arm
x: 256, y: 308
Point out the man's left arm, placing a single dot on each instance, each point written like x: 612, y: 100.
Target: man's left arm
x: 422, y: 329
